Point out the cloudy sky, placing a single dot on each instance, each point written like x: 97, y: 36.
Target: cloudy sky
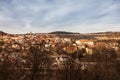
x: 22, y: 16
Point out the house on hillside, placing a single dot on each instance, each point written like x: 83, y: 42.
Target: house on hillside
x: 85, y: 41
x: 89, y: 51
x: 58, y: 60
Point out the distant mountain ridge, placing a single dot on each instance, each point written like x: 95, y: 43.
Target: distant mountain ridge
x: 110, y: 33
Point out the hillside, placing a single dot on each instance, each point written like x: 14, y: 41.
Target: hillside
x: 2, y: 33
x: 62, y: 32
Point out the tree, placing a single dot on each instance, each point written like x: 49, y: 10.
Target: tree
x: 39, y: 61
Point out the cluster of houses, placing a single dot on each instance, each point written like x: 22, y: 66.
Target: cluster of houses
x: 15, y: 46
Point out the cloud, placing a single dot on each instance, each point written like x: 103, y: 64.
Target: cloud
x: 21, y: 16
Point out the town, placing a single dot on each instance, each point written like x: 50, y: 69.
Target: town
x: 31, y: 52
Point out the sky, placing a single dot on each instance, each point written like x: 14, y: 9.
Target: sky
x: 38, y: 16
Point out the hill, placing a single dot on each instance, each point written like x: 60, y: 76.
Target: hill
x: 62, y: 32
x: 2, y: 33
